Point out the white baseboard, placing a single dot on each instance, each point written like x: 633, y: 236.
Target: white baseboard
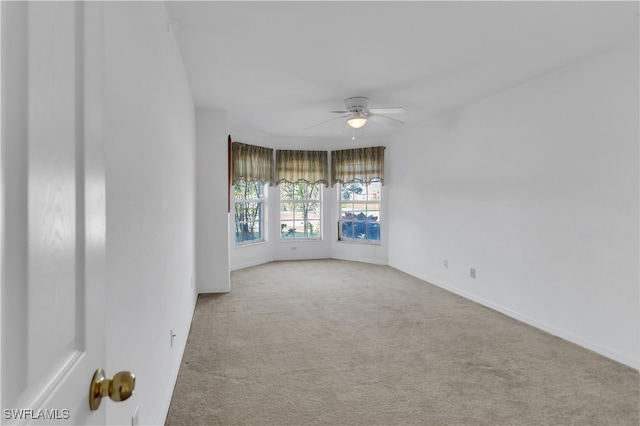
x: 166, y: 403
x: 361, y: 259
x: 249, y: 264
x: 599, y: 349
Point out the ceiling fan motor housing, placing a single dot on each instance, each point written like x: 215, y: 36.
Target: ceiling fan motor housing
x: 356, y: 104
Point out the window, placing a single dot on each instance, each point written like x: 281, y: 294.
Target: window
x: 249, y: 212
x: 360, y: 211
x: 300, y: 207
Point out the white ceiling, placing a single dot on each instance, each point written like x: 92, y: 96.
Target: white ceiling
x: 279, y: 67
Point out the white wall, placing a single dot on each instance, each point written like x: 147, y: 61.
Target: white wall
x: 536, y: 188
x: 212, y: 243
x: 150, y: 157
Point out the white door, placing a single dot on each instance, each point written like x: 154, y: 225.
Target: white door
x: 53, y: 208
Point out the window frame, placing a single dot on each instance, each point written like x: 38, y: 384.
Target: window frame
x: 367, y: 220
x: 319, y: 201
x: 261, y: 201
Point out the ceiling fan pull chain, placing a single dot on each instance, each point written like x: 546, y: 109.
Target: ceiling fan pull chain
x: 353, y: 137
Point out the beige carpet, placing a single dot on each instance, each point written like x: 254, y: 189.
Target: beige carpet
x: 336, y: 342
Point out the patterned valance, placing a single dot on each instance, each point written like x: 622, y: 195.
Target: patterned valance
x: 358, y: 164
x: 302, y: 166
x: 251, y: 163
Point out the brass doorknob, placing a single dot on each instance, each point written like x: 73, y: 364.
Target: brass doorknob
x: 119, y: 387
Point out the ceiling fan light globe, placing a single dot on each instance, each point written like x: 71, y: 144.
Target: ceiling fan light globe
x: 357, y: 121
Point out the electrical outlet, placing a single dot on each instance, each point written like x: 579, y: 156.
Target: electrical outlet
x: 445, y: 264
x: 472, y: 272
x: 294, y: 248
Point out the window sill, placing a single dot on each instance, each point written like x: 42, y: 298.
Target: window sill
x: 252, y: 244
x: 361, y: 242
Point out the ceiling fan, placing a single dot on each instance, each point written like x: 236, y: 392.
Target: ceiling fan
x: 357, y: 112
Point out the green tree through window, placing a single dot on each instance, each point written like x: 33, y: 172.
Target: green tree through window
x: 249, y: 212
x: 300, y: 210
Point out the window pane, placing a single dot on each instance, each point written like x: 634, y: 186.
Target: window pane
x: 300, y: 211
x: 312, y: 210
x: 360, y: 211
x: 373, y: 231
x: 248, y: 191
x: 287, y: 211
x: 287, y: 191
x: 347, y: 229
x: 248, y: 209
x: 351, y: 190
x: 373, y: 213
x: 287, y: 229
x: 374, y: 191
x: 313, y: 229
x: 360, y: 196
x: 249, y: 231
x: 312, y: 191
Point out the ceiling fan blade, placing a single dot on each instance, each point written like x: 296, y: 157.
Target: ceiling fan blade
x: 339, y: 112
x: 324, y: 122
x: 386, y: 120
x: 388, y: 110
